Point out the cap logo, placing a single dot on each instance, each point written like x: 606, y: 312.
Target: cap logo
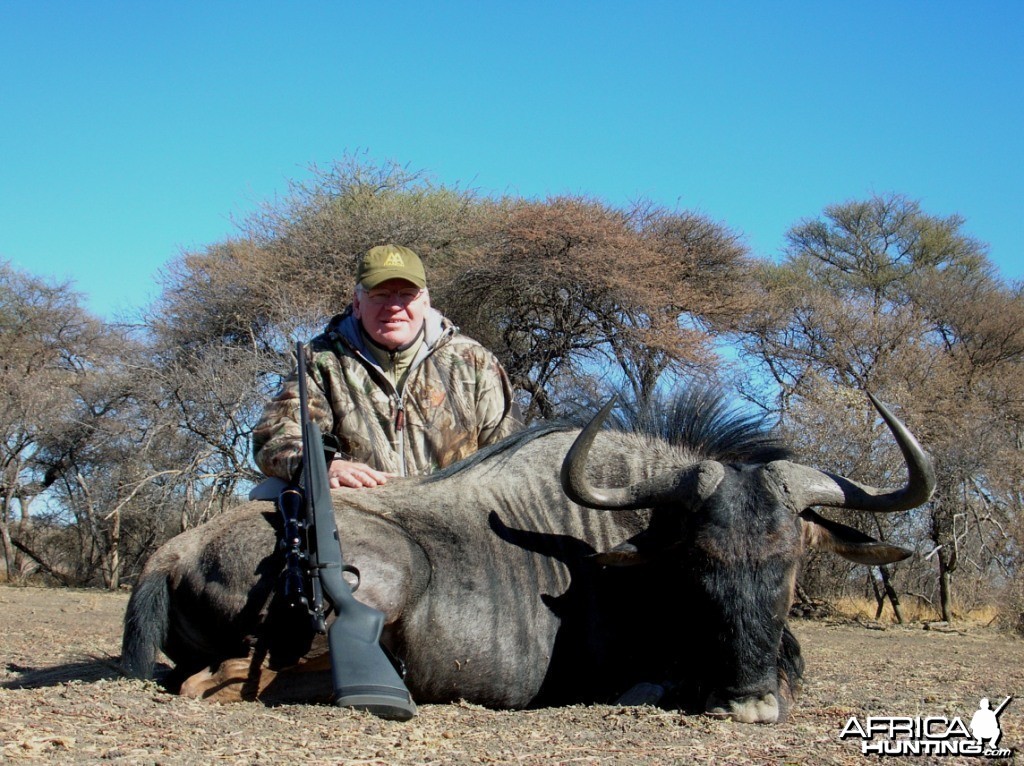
x: 394, y: 259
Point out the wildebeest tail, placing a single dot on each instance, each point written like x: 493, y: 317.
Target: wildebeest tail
x: 145, y: 625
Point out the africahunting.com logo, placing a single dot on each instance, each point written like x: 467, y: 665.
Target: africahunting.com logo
x: 931, y: 735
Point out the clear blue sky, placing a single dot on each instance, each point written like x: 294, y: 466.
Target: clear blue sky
x: 132, y: 130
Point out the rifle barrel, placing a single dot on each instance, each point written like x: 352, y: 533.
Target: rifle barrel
x: 364, y: 676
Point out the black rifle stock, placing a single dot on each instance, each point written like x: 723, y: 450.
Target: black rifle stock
x: 363, y: 674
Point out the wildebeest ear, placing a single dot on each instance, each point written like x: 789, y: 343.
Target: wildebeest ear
x: 850, y: 543
x: 642, y: 548
x: 625, y: 554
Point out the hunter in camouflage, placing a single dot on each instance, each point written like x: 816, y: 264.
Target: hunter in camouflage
x: 394, y: 381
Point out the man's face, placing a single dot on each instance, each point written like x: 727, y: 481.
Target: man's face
x: 392, y: 312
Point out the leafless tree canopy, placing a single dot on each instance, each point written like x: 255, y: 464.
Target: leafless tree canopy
x: 569, y: 288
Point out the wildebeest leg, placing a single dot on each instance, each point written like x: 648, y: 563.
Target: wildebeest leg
x: 233, y: 680
x: 770, y: 706
x: 791, y: 672
x: 250, y: 678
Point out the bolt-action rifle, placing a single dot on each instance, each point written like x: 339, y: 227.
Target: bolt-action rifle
x: 363, y: 673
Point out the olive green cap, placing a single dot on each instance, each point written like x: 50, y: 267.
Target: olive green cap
x: 386, y: 262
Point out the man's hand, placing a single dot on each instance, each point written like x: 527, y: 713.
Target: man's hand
x: 347, y: 473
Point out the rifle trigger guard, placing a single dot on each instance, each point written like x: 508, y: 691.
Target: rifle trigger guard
x: 351, y: 570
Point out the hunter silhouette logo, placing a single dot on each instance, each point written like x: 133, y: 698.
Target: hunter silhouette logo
x: 985, y: 723
x: 931, y: 735
x: 394, y: 259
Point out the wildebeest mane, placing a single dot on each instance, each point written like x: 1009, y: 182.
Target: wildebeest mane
x: 701, y: 419
x: 698, y: 419
x: 509, y: 444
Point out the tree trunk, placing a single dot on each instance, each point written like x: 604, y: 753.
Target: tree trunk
x: 894, y: 597
x: 947, y: 564
x: 8, y: 545
x: 114, y: 552
x: 879, y: 597
x: 890, y: 591
x: 882, y: 587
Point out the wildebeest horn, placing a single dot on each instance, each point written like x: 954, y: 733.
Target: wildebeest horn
x: 805, y: 486
x: 809, y: 486
x: 698, y: 481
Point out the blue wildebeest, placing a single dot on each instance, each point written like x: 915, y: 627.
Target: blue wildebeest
x: 501, y: 586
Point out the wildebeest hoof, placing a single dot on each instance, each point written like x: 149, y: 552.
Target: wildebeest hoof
x: 226, y: 683
x: 752, y: 709
x: 642, y: 694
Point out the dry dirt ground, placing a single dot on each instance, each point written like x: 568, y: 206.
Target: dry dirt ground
x: 62, y: 701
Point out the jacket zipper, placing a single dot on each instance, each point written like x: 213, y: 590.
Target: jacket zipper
x: 399, y: 404
x: 400, y: 431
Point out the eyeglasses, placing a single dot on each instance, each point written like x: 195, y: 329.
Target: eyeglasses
x: 387, y: 297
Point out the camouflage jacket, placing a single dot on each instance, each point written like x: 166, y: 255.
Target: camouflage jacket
x: 456, y: 399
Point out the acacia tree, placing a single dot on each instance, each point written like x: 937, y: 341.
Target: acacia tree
x: 569, y: 288
x: 106, y: 474
x: 864, y: 299
x: 48, y: 344
x: 979, y: 326
x: 67, y: 399
x: 556, y: 288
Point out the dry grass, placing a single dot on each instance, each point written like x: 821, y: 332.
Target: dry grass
x: 914, y: 611
x: 62, y: 701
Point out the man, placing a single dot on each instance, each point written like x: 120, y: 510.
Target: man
x: 394, y: 381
